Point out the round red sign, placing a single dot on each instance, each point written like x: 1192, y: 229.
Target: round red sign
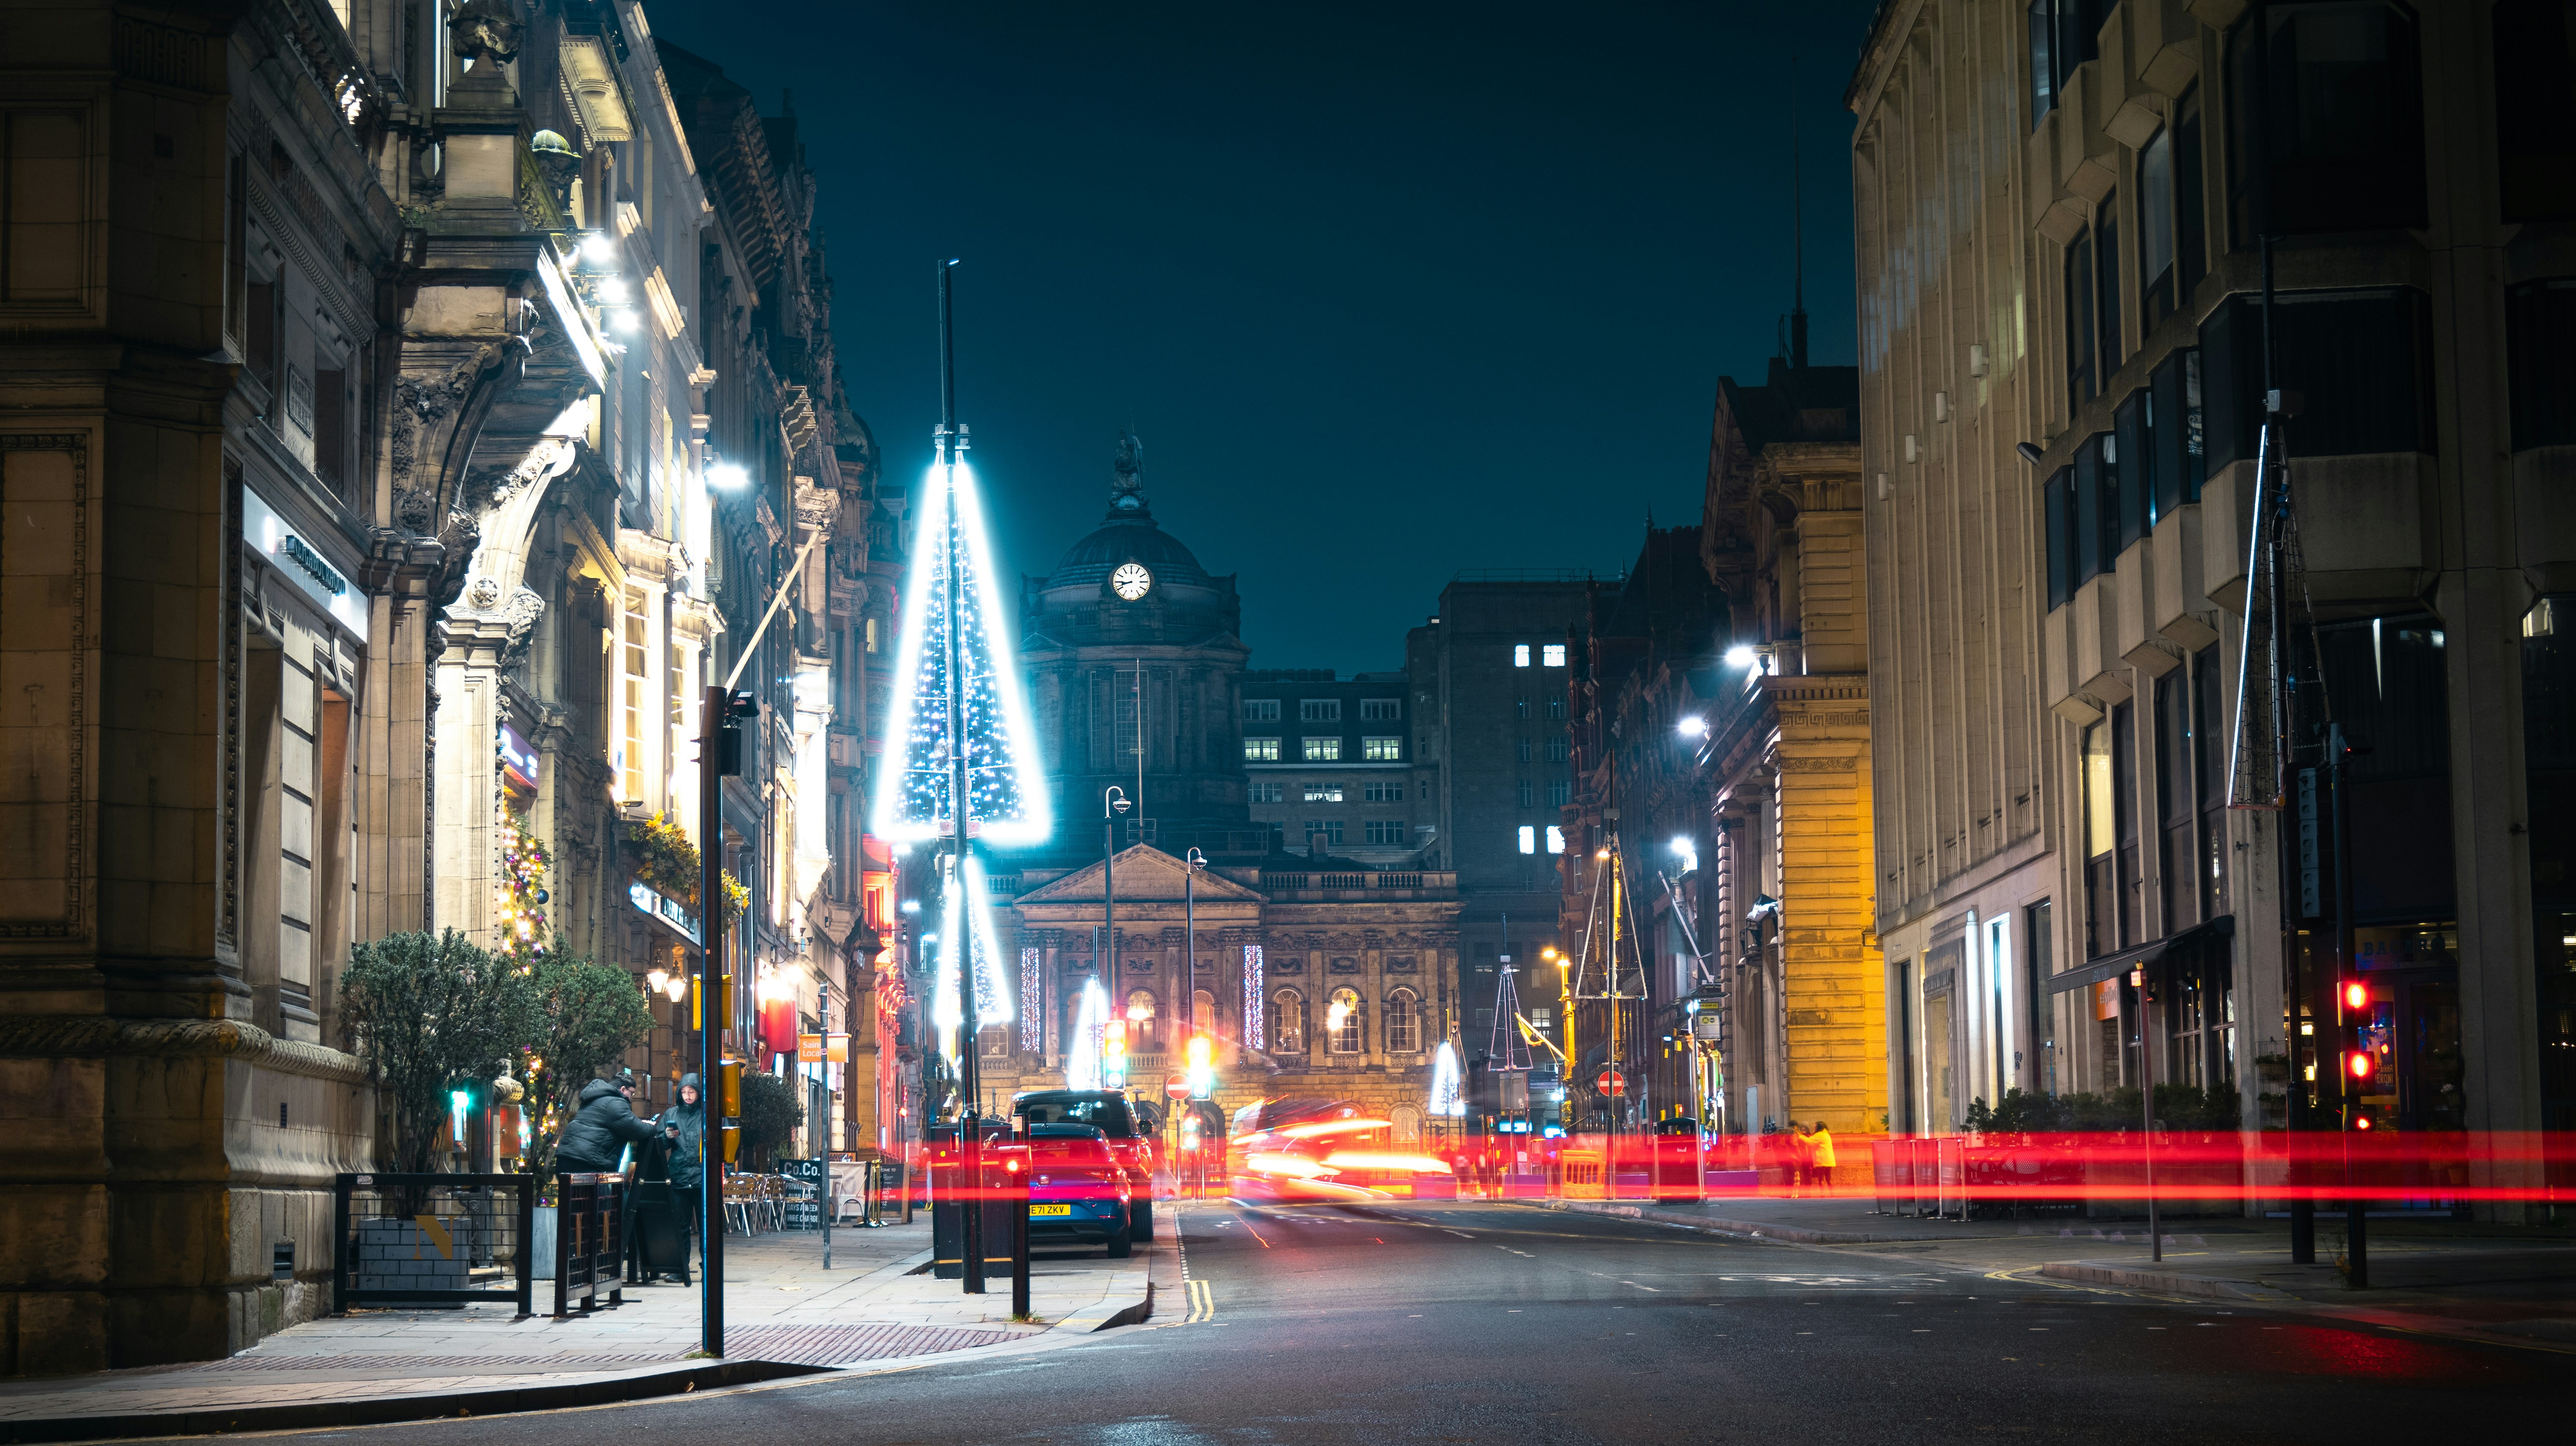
x: 1177, y: 1086
x: 1612, y: 1082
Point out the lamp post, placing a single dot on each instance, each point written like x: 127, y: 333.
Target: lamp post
x: 1113, y: 802
x: 1191, y: 863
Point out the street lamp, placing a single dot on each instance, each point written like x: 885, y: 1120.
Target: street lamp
x: 1113, y: 802
x: 1191, y: 863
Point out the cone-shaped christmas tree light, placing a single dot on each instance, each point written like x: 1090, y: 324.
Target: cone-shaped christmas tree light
x: 1006, y: 795
x: 967, y: 941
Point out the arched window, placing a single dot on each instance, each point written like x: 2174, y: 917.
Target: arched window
x: 1203, y: 1012
x: 1343, y: 1023
x: 1405, y: 1120
x: 1140, y: 1020
x: 1403, y: 1023
x: 1287, y: 1023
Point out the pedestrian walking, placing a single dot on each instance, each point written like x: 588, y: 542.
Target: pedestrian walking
x: 603, y: 1124
x: 1820, y: 1157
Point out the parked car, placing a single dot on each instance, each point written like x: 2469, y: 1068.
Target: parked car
x: 1130, y: 1138
x: 1078, y: 1190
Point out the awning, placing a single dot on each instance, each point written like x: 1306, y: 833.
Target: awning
x: 2112, y: 966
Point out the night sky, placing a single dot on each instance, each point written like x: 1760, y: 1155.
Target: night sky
x: 1388, y: 291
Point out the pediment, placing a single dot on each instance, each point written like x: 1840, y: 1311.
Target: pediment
x: 1146, y: 875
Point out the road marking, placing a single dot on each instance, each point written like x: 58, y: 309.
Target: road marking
x: 1656, y: 1289
x: 1202, y: 1302
x: 1461, y: 1234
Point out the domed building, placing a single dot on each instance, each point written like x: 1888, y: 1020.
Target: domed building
x: 1314, y: 975
x: 1135, y: 664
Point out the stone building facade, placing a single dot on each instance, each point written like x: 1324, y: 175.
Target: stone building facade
x: 2060, y: 214
x: 365, y: 368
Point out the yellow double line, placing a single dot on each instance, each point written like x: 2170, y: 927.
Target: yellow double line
x: 1202, y: 1302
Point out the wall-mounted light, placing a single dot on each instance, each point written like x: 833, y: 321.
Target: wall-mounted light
x: 597, y: 247
x: 730, y: 475
x: 1692, y: 726
x: 1742, y: 655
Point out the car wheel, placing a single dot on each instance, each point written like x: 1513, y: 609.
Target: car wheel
x: 1122, y: 1245
x: 1140, y: 1220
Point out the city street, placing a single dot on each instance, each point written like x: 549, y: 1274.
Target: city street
x: 1476, y: 1322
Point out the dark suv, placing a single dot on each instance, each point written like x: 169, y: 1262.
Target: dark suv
x: 1129, y: 1137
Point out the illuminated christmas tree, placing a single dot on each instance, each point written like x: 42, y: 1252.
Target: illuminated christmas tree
x: 966, y: 939
x: 1006, y: 795
x: 521, y: 884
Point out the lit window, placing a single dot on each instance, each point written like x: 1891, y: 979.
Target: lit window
x: 1552, y: 655
x: 1344, y: 1017
x: 1520, y: 655
x: 1555, y: 839
x: 1260, y: 750
x: 1319, y: 710
x: 1322, y: 750
x: 1323, y: 793
x: 1260, y: 710
x: 634, y: 759
x: 1529, y: 839
x: 1381, y: 710
x: 1381, y: 750
x: 1287, y: 1023
x: 1403, y: 1023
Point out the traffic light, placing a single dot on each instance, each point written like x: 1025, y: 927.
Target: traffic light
x: 1113, y: 1053
x: 2356, y: 996
x: 1202, y: 1065
x: 2360, y: 1065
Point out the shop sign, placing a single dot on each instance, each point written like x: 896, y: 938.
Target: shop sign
x: 645, y: 897
x: 520, y: 762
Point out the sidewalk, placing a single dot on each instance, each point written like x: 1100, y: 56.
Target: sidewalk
x: 784, y: 1316
x: 2492, y: 1283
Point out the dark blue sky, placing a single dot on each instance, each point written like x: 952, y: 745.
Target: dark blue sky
x: 1389, y: 291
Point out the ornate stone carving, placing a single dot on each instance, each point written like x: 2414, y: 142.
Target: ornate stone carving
x: 486, y: 30
x: 58, y: 1035
x: 420, y: 404
x: 522, y: 611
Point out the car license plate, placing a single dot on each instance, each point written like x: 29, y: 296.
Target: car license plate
x: 1050, y: 1210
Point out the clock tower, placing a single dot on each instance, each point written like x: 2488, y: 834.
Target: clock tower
x: 1135, y: 670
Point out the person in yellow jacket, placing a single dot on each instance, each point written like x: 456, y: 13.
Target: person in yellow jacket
x: 1820, y: 1157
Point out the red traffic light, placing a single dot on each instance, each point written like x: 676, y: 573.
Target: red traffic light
x: 2360, y: 1065
x: 2356, y: 995
x: 2361, y: 1122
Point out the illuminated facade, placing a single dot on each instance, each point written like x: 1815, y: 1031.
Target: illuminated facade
x: 2064, y: 254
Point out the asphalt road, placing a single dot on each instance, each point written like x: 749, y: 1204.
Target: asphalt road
x: 1479, y: 1323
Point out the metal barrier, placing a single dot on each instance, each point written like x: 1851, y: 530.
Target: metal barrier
x: 433, y: 1240
x: 589, y: 1247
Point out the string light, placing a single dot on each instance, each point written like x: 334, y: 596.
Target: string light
x: 521, y: 883
x: 1447, y: 1099
x: 1082, y: 1052
x: 1032, y: 1003
x: 1006, y: 793
x: 967, y: 926
x: 1252, y: 1022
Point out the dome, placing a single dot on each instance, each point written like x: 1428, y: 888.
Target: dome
x: 1127, y: 536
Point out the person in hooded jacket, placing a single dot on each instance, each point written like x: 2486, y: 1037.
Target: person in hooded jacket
x: 686, y: 1124
x: 603, y: 1124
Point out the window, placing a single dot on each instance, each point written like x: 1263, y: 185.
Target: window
x: 1528, y: 794
x: 1260, y: 710
x: 1522, y: 746
x: 1319, y: 710
x: 1520, y: 655
x: 1556, y: 708
x: 2080, y: 382
x: 2155, y: 230
x: 1403, y: 1023
x: 1323, y: 793
x: 1323, y: 750
x: 1520, y: 709
x: 1529, y: 839
x: 2128, y: 442
x: 1268, y: 793
x: 2361, y: 357
x: 1328, y: 830
x: 632, y: 699
x: 1388, y: 831
x: 1542, y: 1017
x: 873, y: 643
x: 1560, y: 793
x: 2124, y: 815
x: 2035, y: 971
x: 2535, y: 71
x: 1346, y: 1038
x: 2097, y: 511
x: 2329, y: 103
x: 2176, y: 805
x: 2540, y: 358
x: 1555, y: 839
x: 2210, y: 764
x: 1140, y: 1020
x: 1381, y: 710
x: 1202, y: 1012
x: 1382, y: 790
x: 1287, y: 1022
x: 2191, y: 203
x: 2177, y: 459
x: 2106, y: 283
x: 1381, y: 750
x: 1552, y: 655
x: 2101, y: 921
x: 2043, y: 63
x: 1260, y: 750
x: 1558, y: 747
x: 331, y: 438
x: 1426, y: 788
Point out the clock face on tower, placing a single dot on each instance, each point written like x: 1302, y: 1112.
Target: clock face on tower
x: 1130, y: 580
